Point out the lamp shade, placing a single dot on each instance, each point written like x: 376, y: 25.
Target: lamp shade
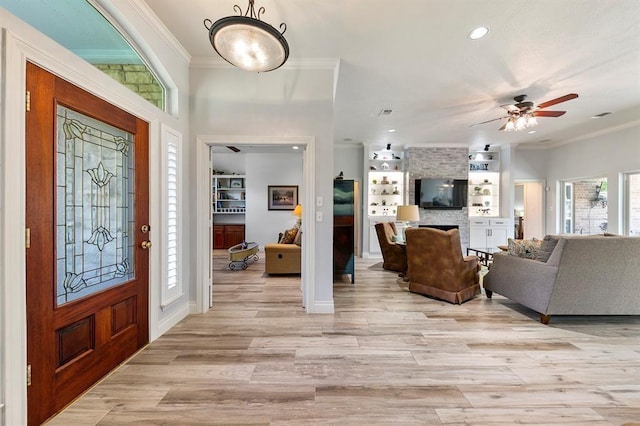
x: 298, y: 211
x: 408, y: 214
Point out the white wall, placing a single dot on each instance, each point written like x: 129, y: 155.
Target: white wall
x: 263, y: 225
x: 20, y: 43
x: 605, y: 155
x: 529, y: 164
x: 232, y: 163
x: 233, y: 102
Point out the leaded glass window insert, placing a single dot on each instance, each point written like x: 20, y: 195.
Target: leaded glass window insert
x: 94, y: 206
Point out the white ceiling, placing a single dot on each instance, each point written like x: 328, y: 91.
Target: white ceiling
x: 414, y: 57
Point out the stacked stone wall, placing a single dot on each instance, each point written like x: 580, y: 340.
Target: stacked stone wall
x: 137, y: 78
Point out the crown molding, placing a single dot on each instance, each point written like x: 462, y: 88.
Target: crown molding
x: 298, y: 64
x: 159, y: 28
x: 590, y: 135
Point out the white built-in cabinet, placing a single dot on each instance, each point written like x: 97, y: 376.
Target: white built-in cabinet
x: 488, y: 232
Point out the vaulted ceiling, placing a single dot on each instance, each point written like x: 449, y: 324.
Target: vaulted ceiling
x: 415, y: 58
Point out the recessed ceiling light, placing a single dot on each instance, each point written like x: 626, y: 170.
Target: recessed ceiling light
x: 478, y: 33
x: 392, y: 130
x: 347, y: 139
x: 602, y: 114
x: 295, y: 147
x: 531, y: 132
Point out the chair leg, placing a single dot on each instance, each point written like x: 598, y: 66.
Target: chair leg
x: 489, y: 293
x: 544, y: 319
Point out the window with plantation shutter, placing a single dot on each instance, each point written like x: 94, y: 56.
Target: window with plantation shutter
x: 171, y: 217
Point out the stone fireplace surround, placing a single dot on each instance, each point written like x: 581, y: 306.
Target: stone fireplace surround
x: 450, y: 163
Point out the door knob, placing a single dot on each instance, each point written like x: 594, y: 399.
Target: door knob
x: 145, y: 228
x: 145, y: 245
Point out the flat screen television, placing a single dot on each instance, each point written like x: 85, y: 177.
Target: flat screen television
x: 444, y: 194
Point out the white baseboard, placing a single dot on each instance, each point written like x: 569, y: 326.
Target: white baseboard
x: 322, y: 308
x: 167, y: 323
x: 193, y: 308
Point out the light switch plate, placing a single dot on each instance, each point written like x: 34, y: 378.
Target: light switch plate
x: 319, y: 201
x: 318, y: 216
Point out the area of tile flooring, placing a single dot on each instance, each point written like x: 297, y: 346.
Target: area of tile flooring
x: 386, y: 356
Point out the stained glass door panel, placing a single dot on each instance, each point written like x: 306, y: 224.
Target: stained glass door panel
x: 87, y: 261
x: 94, y: 214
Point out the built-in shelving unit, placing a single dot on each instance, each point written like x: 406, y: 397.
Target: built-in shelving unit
x: 385, y: 193
x: 484, y: 184
x: 229, y: 194
x: 385, y: 182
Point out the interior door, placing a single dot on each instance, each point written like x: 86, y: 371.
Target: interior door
x: 87, y: 259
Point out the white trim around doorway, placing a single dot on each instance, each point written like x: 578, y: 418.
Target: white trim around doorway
x: 203, y: 216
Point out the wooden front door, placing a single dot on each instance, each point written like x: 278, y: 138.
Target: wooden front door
x: 87, y: 271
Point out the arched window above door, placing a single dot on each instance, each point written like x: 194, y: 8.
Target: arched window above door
x: 84, y: 30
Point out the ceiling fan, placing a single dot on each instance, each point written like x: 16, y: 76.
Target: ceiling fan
x: 523, y: 113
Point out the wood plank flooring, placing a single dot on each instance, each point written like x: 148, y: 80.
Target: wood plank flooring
x: 386, y: 356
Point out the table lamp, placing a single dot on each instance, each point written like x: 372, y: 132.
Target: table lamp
x: 298, y: 213
x: 407, y: 214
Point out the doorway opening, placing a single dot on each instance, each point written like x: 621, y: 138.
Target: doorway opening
x: 529, y: 209
x: 244, y: 178
x: 203, y: 213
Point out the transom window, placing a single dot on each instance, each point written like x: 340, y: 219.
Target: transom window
x: 81, y: 28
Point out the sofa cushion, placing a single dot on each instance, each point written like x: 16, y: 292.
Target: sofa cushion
x: 289, y: 236
x: 523, y: 248
x: 549, y: 243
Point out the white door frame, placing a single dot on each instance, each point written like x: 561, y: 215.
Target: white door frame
x: 203, y: 190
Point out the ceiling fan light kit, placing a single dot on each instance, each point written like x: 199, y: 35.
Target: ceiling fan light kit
x: 247, y: 42
x: 522, y: 115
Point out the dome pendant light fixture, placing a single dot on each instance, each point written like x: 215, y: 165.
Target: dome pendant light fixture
x: 247, y: 42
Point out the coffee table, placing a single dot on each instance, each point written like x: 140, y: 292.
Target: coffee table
x: 484, y: 254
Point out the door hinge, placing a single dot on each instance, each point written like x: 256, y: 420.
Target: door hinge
x: 28, y: 101
x: 27, y: 238
x: 28, y: 374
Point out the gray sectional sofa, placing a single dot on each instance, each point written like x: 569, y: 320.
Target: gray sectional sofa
x: 584, y: 275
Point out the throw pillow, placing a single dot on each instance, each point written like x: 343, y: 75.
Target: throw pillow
x: 524, y: 248
x: 289, y: 236
x: 549, y: 243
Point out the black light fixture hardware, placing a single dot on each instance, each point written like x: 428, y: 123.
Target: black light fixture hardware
x: 247, y: 42
x: 486, y: 147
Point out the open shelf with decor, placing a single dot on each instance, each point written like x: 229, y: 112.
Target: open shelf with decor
x: 385, y: 193
x: 229, y: 194
x: 484, y: 184
x: 386, y: 160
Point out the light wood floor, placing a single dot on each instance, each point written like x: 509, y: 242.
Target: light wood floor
x: 386, y: 356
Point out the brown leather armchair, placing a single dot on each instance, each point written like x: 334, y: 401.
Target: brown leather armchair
x: 394, y: 256
x: 437, y: 267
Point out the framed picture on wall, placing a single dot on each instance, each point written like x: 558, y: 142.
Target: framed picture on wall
x: 282, y: 197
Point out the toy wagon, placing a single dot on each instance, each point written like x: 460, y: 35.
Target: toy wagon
x: 241, y: 253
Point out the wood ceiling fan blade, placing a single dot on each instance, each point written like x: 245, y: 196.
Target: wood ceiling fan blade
x: 549, y: 113
x: 558, y: 100
x: 489, y: 121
